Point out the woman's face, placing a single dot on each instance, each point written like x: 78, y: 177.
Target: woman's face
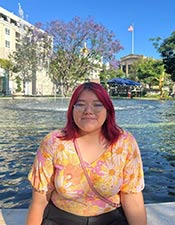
x: 89, y: 114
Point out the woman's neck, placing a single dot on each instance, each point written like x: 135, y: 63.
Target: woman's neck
x: 93, y: 138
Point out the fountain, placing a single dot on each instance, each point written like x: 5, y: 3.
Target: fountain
x: 24, y: 122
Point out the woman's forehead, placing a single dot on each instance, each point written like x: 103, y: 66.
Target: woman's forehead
x: 87, y: 94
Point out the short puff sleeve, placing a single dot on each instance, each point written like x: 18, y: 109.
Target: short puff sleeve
x: 133, y: 176
x: 41, y: 175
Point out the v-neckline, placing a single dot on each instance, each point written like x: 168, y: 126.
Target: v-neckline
x: 85, y: 161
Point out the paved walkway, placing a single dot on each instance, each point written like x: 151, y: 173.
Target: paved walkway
x: 158, y: 214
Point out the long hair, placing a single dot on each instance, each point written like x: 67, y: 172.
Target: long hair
x: 110, y: 130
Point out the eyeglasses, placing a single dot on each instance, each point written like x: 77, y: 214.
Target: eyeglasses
x: 95, y: 107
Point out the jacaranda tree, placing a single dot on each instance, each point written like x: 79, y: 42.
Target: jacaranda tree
x: 80, y: 48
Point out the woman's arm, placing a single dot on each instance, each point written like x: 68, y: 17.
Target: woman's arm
x: 133, y: 206
x: 36, y: 209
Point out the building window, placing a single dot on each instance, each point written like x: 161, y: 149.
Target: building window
x: 13, y: 22
x: 2, y: 16
x: 17, y: 46
x: 7, y: 31
x: 7, y: 44
x: 17, y: 35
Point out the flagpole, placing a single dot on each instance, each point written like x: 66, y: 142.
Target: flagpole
x: 132, y: 51
x: 131, y: 29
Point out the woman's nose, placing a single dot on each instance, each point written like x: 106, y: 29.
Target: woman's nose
x: 89, y: 109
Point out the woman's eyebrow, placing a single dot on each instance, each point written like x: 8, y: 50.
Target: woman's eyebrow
x: 83, y: 100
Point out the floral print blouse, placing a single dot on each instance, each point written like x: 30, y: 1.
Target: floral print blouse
x: 57, y: 168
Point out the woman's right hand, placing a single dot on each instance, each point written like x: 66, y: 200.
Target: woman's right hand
x: 37, y: 207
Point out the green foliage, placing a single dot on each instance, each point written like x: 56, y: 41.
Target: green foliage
x: 18, y: 82
x: 107, y: 74
x: 148, y: 70
x: 166, y: 48
x: 66, y: 74
x: 6, y: 64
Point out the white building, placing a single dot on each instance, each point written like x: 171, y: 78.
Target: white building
x: 11, y: 28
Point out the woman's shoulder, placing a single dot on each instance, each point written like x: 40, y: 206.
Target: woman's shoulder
x: 51, y: 141
x: 126, y: 134
x: 127, y: 142
x: 125, y: 137
x: 53, y: 135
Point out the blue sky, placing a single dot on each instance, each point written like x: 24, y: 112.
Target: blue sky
x: 151, y: 18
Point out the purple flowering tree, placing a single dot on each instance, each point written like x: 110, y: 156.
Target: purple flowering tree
x: 32, y: 54
x: 79, y: 48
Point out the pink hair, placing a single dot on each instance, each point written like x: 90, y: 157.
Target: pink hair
x: 110, y: 130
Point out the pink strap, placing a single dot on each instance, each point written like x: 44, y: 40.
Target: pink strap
x: 89, y: 181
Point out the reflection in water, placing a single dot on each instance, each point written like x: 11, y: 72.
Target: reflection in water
x: 25, y: 122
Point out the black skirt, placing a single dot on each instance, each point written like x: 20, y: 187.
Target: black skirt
x: 56, y: 216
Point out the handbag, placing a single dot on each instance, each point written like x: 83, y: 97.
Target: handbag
x: 113, y: 204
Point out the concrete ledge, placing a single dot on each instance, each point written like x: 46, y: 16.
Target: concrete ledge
x: 157, y: 214
x: 161, y: 214
x: 12, y: 216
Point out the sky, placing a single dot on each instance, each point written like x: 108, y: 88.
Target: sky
x: 150, y: 18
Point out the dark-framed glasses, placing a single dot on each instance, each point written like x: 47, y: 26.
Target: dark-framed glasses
x: 95, y: 107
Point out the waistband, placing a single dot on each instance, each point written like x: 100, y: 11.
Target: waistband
x: 57, y: 216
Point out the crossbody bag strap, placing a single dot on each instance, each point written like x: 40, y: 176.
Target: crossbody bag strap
x: 89, y: 180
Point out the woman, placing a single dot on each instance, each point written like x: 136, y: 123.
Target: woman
x: 91, y: 171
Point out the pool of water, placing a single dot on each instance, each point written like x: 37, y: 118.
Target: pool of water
x: 24, y: 122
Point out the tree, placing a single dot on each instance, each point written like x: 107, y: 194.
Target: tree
x: 166, y: 48
x: 108, y: 73
x: 7, y: 65
x: 32, y: 54
x: 150, y: 71
x: 80, y: 50
x: 8, y: 68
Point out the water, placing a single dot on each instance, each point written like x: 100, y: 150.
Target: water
x: 24, y: 122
